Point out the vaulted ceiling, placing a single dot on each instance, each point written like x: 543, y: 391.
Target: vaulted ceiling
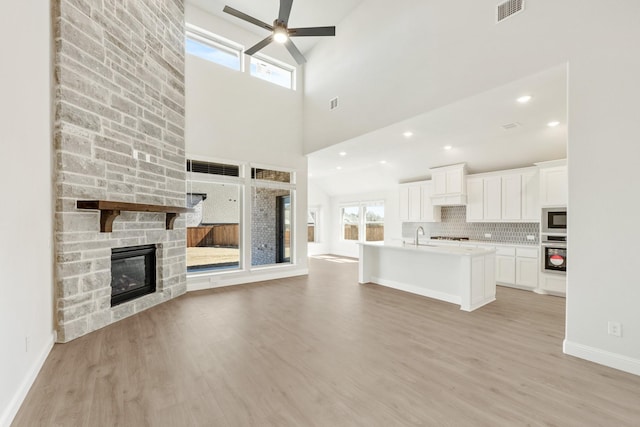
x: 473, y: 127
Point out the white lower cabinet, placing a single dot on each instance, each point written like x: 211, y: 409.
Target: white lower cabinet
x: 527, y: 268
x: 554, y: 284
x: 506, y: 265
x: 516, y: 267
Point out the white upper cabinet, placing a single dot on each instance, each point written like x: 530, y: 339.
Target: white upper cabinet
x: 403, y: 194
x: 512, y: 197
x: 449, y: 185
x: 553, y: 183
x: 475, y: 197
x: 430, y: 213
x: 503, y: 196
x: 492, y: 199
x: 530, y: 196
x: 415, y: 203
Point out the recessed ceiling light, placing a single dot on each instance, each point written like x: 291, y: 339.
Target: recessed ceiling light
x: 524, y: 99
x: 342, y: 153
x: 408, y: 134
x: 339, y: 168
x: 448, y: 147
x: 382, y: 162
x: 553, y: 124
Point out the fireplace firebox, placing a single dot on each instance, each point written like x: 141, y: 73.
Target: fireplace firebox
x: 133, y: 273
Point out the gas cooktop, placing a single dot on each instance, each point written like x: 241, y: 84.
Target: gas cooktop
x: 457, y: 239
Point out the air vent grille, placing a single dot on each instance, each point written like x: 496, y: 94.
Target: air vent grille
x: 508, y: 9
x: 510, y: 126
x: 212, y: 168
x: 333, y: 104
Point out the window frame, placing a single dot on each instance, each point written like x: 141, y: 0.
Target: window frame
x: 278, y: 64
x: 205, y: 37
x: 366, y: 222
x: 254, y: 184
x: 239, y: 181
x: 362, y: 220
x: 316, y: 225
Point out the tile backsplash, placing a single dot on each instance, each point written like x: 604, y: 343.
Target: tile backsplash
x: 454, y: 225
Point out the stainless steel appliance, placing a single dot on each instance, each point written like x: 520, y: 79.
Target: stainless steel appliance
x: 554, y: 254
x: 554, y: 220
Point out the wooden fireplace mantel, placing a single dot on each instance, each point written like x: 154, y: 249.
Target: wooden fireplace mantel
x: 110, y: 210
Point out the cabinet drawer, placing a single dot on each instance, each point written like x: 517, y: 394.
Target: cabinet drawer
x: 527, y: 252
x: 505, y: 251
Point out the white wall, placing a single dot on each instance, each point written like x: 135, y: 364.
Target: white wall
x: 26, y: 289
x: 428, y: 54
x: 320, y: 200
x: 235, y: 117
x: 392, y: 223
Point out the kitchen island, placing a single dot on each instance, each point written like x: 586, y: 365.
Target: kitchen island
x: 459, y: 275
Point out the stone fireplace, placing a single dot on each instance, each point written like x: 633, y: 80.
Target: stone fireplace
x: 119, y: 136
x: 133, y: 273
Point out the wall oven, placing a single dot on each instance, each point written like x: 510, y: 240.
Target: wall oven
x: 554, y: 254
x: 554, y: 220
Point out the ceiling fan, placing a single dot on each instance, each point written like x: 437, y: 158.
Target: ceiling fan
x: 280, y: 32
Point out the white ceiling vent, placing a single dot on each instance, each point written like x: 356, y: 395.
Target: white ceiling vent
x: 508, y: 9
x: 333, y: 104
x: 510, y: 126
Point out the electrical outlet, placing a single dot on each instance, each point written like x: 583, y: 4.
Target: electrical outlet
x: 615, y: 329
x: 531, y: 237
x: 487, y: 235
x: 136, y: 154
x: 26, y: 344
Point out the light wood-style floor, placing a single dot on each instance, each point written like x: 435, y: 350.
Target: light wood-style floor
x: 324, y: 351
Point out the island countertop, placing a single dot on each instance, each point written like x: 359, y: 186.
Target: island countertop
x: 445, y: 250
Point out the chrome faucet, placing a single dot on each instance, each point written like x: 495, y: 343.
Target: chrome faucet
x: 418, y: 230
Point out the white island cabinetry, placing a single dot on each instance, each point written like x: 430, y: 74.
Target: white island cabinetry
x: 463, y: 276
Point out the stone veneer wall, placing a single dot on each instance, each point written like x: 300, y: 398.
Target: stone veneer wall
x: 119, y: 87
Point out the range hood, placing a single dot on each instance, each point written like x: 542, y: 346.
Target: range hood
x: 449, y: 185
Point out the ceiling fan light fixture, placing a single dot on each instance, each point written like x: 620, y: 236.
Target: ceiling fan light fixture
x: 280, y: 35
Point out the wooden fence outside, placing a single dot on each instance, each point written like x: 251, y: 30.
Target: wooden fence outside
x: 374, y: 232
x: 213, y: 235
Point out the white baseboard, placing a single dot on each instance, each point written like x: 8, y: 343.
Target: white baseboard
x: 9, y: 413
x: 212, y: 281
x: 454, y: 299
x: 602, y: 357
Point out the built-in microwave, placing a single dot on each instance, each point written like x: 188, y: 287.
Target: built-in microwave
x: 554, y: 220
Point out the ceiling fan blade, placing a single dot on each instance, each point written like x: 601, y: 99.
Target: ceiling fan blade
x: 259, y: 45
x: 293, y: 50
x: 245, y: 17
x: 312, y: 31
x: 285, y: 11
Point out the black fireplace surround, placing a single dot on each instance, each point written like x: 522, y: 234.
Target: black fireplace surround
x: 133, y: 273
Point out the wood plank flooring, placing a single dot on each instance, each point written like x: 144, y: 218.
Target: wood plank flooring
x: 323, y: 350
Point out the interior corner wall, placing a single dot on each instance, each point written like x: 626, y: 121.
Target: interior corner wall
x: 232, y: 116
x: 26, y: 257
x: 441, y: 52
